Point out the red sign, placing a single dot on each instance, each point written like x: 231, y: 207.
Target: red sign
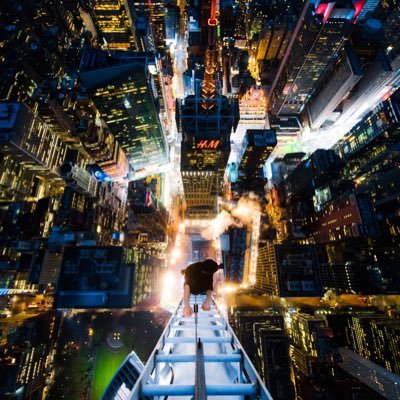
x: 208, y: 144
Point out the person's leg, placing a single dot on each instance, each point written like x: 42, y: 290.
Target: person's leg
x: 207, y: 303
x: 187, y: 310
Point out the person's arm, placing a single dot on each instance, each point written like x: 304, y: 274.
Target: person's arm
x: 187, y: 310
x: 207, y: 303
x: 212, y: 267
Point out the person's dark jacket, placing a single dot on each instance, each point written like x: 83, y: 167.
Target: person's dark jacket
x: 199, y: 276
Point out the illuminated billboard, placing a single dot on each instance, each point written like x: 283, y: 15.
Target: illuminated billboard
x: 208, y: 144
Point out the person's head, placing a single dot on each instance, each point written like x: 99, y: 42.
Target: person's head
x: 211, y: 263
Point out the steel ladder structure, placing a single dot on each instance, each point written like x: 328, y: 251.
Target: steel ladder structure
x: 199, y: 357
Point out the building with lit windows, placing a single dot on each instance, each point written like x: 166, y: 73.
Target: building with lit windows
x: 349, y: 277
x: 252, y: 111
x: 318, y: 169
x: 117, y: 167
x: 95, y: 277
x: 262, y: 336
x: 374, y: 337
x: 102, y: 146
x: 372, y: 137
x: 124, y: 96
x: 205, y: 150
x: 348, y: 216
x: 235, y: 258
x: 59, y: 121
x: 320, y: 33
x: 286, y: 126
x: 346, y: 73
x: 281, y: 167
x: 378, y: 82
x: 302, y: 328
x: 155, y: 13
x: 29, y: 149
x: 370, y: 151
x: 243, y: 323
x: 20, y: 181
x: 25, y: 357
x: 370, y: 374
x: 273, y: 359
x: 274, y: 40
x: 259, y: 144
x: 112, y: 22
x: 27, y: 137
x: 149, y: 259
x: 313, y: 343
x: 288, y: 270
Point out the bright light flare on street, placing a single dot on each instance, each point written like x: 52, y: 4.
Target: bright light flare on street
x: 171, y: 284
x: 182, y: 226
x: 228, y: 288
x: 176, y: 253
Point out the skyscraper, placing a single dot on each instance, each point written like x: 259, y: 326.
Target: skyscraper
x: 111, y: 19
x: 252, y: 107
x: 206, y: 120
x: 379, y: 379
x: 345, y: 75
x: 287, y: 270
x: 101, y: 144
x: 379, y: 80
x: 273, y: 358
x: 376, y: 338
x: 259, y: 143
x: 154, y: 12
x: 205, y: 150
x: 319, y: 35
x: 124, y: 95
x: 29, y: 148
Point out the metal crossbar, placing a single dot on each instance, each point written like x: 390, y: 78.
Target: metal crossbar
x: 199, y: 357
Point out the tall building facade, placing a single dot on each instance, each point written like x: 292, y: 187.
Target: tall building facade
x: 376, y: 338
x: 259, y: 144
x: 205, y: 151
x: 252, y: 108
x: 112, y: 22
x: 154, y: 13
x: 26, y: 356
x: 320, y: 33
x: 31, y: 153
x: 345, y: 75
x: 102, y: 145
x: 273, y: 359
x: 374, y: 376
x: 124, y: 96
x: 26, y: 136
x: 378, y: 82
x: 288, y: 270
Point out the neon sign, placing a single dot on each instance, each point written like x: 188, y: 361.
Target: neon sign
x: 208, y: 144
